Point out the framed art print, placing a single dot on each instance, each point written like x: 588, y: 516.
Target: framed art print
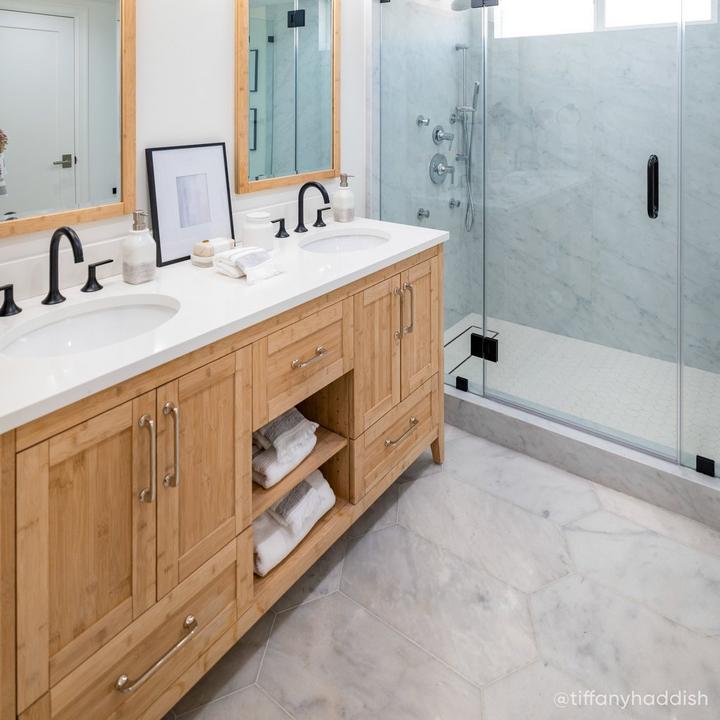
x: 189, y: 198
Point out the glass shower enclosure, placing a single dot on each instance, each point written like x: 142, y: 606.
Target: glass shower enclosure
x: 571, y: 149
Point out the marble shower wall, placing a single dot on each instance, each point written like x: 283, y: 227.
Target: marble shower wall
x: 420, y: 75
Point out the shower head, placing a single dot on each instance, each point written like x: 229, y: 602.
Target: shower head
x: 476, y: 96
x: 461, y: 46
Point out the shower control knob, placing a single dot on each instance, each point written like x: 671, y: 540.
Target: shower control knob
x: 423, y: 214
x: 439, y: 135
x: 422, y: 121
x: 454, y: 203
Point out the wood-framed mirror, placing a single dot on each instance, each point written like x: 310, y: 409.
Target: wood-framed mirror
x: 67, y: 112
x: 287, y: 92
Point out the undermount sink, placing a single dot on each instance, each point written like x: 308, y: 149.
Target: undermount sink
x: 88, y: 326
x: 344, y: 240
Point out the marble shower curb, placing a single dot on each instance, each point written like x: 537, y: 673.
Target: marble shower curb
x: 656, y: 481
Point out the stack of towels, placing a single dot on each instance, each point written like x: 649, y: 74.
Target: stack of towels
x: 277, y: 532
x: 280, y: 446
x: 253, y: 263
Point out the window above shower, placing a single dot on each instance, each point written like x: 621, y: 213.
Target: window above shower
x: 528, y: 18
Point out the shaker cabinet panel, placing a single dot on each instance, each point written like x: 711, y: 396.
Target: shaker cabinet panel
x: 377, y: 352
x: 85, y: 542
x: 421, y: 325
x: 199, y: 470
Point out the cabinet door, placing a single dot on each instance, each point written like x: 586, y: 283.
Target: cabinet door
x: 377, y: 353
x: 421, y: 325
x: 85, y: 542
x: 204, y: 453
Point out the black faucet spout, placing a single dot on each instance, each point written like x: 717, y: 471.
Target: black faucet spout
x: 54, y: 295
x: 301, y: 203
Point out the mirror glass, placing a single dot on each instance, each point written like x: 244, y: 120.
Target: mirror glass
x: 290, y: 88
x: 60, y: 121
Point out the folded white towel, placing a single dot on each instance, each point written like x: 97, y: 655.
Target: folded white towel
x: 294, y: 510
x: 273, y: 542
x: 269, y: 471
x: 253, y: 263
x: 287, y: 433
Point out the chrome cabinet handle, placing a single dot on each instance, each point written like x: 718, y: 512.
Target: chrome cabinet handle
x: 401, y: 294
x: 148, y: 495
x: 123, y: 683
x: 392, y: 443
x: 172, y: 479
x: 298, y: 364
x: 411, y: 327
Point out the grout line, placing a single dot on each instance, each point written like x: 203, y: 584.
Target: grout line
x: 274, y: 700
x: 411, y: 641
x: 267, y: 642
x: 304, y: 603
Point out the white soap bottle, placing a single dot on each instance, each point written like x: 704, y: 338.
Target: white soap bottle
x: 139, y: 252
x: 343, y: 201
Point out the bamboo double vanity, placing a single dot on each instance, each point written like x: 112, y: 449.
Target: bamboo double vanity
x: 126, y: 493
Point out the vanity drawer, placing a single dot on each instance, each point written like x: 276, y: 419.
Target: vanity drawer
x: 396, y: 439
x: 152, y: 652
x: 297, y: 361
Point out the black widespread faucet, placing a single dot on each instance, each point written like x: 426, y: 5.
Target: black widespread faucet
x: 54, y: 295
x: 301, y: 203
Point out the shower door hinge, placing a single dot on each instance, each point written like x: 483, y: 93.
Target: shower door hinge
x: 705, y: 466
x: 462, y: 384
x: 296, y: 18
x: 384, y: 1
x: 484, y: 347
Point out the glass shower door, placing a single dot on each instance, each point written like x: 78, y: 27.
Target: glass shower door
x: 581, y: 213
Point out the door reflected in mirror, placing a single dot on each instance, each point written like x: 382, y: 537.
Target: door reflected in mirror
x: 60, y: 106
x: 288, y: 102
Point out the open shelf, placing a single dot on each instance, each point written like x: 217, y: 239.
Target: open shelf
x: 328, y: 445
x: 324, y: 533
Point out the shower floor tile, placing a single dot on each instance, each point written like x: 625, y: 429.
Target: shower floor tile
x: 486, y: 589
x: 628, y: 396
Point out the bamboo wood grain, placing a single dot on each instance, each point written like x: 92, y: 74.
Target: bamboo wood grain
x: 328, y: 444
x: 7, y: 576
x: 13, y: 228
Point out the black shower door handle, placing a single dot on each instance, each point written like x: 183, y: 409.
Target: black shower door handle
x: 653, y: 187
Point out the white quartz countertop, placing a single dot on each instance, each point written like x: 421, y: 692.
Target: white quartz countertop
x: 212, y: 307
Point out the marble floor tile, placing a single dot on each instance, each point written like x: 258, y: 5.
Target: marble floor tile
x: 332, y: 659
x: 615, y: 645
x: 515, y: 546
x: 677, y: 527
x: 249, y: 704
x: 425, y: 465
x: 473, y: 622
x: 537, y: 693
x: 237, y: 669
x: 323, y: 578
x: 382, y: 514
x: 540, y: 488
x: 677, y: 581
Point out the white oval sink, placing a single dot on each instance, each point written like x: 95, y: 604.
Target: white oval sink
x: 88, y: 326
x: 343, y: 240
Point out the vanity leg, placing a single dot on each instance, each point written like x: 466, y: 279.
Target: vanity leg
x: 438, y: 446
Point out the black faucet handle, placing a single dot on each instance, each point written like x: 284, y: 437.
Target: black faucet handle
x: 9, y: 306
x: 282, y: 232
x: 92, y: 284
x: 319, y: 222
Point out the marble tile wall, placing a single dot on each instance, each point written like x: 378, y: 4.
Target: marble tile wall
x: 420, y: 75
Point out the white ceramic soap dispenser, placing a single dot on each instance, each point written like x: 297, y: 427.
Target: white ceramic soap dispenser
x: 138, y: 252
x: 343, y: 201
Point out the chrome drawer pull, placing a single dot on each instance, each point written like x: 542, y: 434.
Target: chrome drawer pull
x: 298, y: 364
x: 123, y: 683
x: 172, y: 479
x: 148, y: 495
x: 392, y: 443
x: 409, y: 329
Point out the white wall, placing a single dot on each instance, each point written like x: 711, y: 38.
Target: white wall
x: 185, y: 94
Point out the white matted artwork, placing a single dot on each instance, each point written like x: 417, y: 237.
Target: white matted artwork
x: 189, y: 198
